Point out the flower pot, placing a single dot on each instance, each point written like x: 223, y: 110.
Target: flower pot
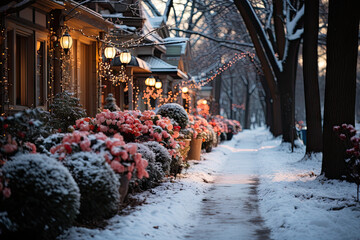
x: 195, y: 149
x: 124, y: 187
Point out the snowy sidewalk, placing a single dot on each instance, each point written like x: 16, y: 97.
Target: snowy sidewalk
x: 242, y: 190
x: 229, y: 209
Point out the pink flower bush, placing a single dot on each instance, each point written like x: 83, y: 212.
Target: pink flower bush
x: 122, y: 157
x: 199, y: 125
x: 134, y: 126
x: 351, y: 141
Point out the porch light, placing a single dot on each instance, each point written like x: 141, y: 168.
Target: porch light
x: 150, y: 81
x: 185, y: 89
x: 125, y: 57
x: 110, y: 52
x: 158, y: 85
x: 66, y: 42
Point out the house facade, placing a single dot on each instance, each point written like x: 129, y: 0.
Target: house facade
x: 35, y: 66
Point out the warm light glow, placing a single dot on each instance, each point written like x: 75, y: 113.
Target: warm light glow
x: 110, y: 52
x: 150, y: 81
x: 204, y: 102
x: 38, y: 45
x: 125, y: 57
x: 66, y: 42
x: 158, y: 85
x: 185, y: 89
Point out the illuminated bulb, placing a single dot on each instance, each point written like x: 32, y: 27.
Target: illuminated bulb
x: 158, y: 85
x: 204, y: 102
x: 185, y: 89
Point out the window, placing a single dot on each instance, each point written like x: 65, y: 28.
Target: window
x: 21, y: 85
x: 27, y: 64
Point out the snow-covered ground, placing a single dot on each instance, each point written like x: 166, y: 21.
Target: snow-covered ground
x: 291, y: 199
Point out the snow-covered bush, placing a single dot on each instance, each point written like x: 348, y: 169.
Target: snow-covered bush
x: 134, y: 126
x: 47, y: 143
x: 27, y: 125
x: 19, y: 132
x: 65, y: 110
x: 98, y: 184
x: 156, y: 173
x: 176, y: 112
x: 45, y: 198
x: 161, y: 155
x: 122, y: 157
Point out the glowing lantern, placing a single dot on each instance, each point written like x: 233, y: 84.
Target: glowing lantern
x: 185, y: 89
x: 66, y: 42
x: 158, y: 85
x: 125, y: 57
x: 110, y: 52
x: 150, y: 81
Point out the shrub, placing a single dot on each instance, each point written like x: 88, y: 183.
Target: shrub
x: 45, y: 198
x: 161, y: 155
x: 123, y: 158
x: 99, y: 186
x: 156, y: 173
x: 175, y: 112
x: 65, y: 110
x: 19, y: 132
x: 46, y: 144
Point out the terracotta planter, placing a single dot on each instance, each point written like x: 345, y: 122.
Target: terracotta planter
x: 124, y: 187
x: 195, y: 149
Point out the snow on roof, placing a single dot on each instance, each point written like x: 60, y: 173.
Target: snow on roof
x: 159, y: 65
x: 114, y: 15
x: 155, y: 21
x: 125, y: 28
x: 180, y: 41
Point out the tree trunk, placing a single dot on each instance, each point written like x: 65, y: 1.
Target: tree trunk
x: 310, y: 72
x: 216, y: 106
x: 340, y: 86
x: 286, y: 83
x: 247, y: 108
x: 275, y: 127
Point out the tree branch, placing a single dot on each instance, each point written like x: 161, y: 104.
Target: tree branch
x: 213, y: 38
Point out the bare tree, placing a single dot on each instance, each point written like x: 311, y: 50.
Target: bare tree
x: 275, y: 29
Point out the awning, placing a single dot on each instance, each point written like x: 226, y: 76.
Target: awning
x: 159, y: 66
x: 139, y: 65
